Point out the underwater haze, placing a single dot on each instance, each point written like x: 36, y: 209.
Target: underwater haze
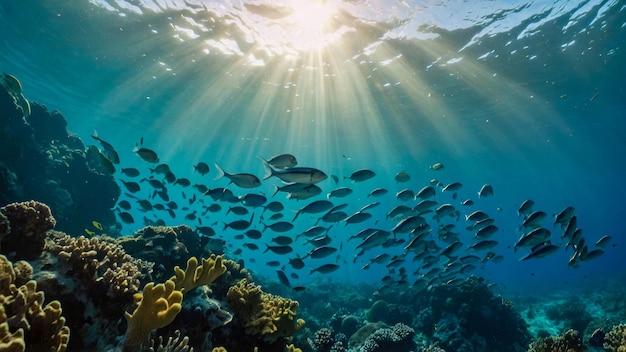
x: 525, y: 96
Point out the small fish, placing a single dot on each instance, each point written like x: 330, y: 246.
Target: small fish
x: 281, y: 226
x: 162, y: 169
x: 405, y: 195
x: 97, y: 225
x: 541, y: 251
x: 482, y: 245
x: 377, y: 192
x: 124, y: 204
x: 253, y: 234
x: 402, y: 176
x: 436, y: 166
x: 252, y: 200
x: 251, y: 246
x: 282, y: 277
x: 526, y: 208
x: 108, y: 148
x: 282, y: 240
x: 205, y: 231
x: 339, y: 192
x: 426, y: 192
x: 298, y: 288
x: 534, y: 219
x: 361, y: 175
x: 89, y: 232
x: 485, y: 191
x: 279, y: 249
x: 274, y: 207
x: 564, y: 216
x: 183, y: 182
x: 243, y: 180
x: 486, y: 232
x: 603, y: 241
x: 478, y: 215
x: 126, y: 217
x: 130, y: 171
x: 321, y: 252
x: 357, y: 217
x: 317, y: 206
x: 532, y: 238
x: 202, y: 168
x: 273, y: 263
x: 296, y: 263
x: 467, y: 203
x: 146, y: 154
x: 238, y: 210
x: 452, y: 187
x: 325, y: 269
x: 303, y: 175
x: 282, y: 161
x: 335, y: 178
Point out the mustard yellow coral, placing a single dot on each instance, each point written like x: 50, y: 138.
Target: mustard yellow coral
x: 158, y: 306
x: 195, y: 275
x: 615, y: 340
x: 265, y: 315
x: 26, y: 324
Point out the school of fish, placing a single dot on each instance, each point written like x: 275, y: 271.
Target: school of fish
x: 427, y: 236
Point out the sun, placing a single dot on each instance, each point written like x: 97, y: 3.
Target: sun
x: 308, y: 21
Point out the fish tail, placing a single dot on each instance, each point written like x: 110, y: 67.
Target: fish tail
x: 269, y: 171
x: 220, y: 172
x: 276, y: 189
x: 296, y: 216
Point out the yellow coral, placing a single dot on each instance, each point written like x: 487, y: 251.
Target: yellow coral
x: 195, y: 275
x: 292, y: 348
x: 262, y: 314
x: 219, y: 349
x: 158, y: 306
x: 37, y: 327
x: 615, y: 340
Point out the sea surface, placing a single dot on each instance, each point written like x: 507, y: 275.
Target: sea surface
x: 526, y: 96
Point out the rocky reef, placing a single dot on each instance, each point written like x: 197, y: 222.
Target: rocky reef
x: 40, y: 160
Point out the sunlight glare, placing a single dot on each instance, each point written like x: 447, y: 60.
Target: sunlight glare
x: 308, y: 20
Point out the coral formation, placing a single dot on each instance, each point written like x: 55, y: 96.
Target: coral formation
x: 389, y: 313
x: 173, y: 344
x: 195, y: 275
x: 25, y: 225
x: 571, y: 312
x: 570, y: 341
x: 264, y: 315
x: 397, y: 338
x: 25, y: 323
x: 158, y: 306
x: 615, y: 339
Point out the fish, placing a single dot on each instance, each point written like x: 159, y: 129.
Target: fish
x: 281, y: 226
x: 252, y: 200
x: 361, y: 175
x: 146, y: 154
x: 572, y: 225
x: 282, y: 277
x: 109, y: 150
x: 303, y: 175
x: 339, y: 192
x: 205, y: 231
x: 436, y: 167
x: 124, y: 204
x: 144, y: 204
x: 317, y: 206
x: 377, y: 192
x: 402, y: 177
x: 162, y: 169
x: 564, y: 216
x: 315, y: 231
x: 296, y: 263
x: 399, y: 210
x: 239, y: 224
x: 183, y: 182
x: 424, y: 206
x: 593, y: 254
x: 202, y: 168
x: 278, y: 249
x: 132, y: 187
x: 335, y: 178
x: 408, y: 224
x: 603, y: 241
x: 368, y: 206
x: 89, y: 232
x: 532, y: 238
x: 274, y: 207
x: 453, y: 247
x: 484, y: 244
x: 243, y: 180
x: 292, y: 188
x: 281, y: 161
x: 426, y: 192
x: 105, y: 162
x: 452, y: 187
x: 526, y: 208
x: 238, y: 210
x: 467, y: 203
x: 357, y: 217
x: 130, y: 171
x: 321, y: 252
x: 485, y: 191
x: 298, y: 289
x: 541, y: 251
x: 251, y: 246
x: 126, y: 217
x: 445, y: 210
x: 97, y: 225
x: 325, y: 269
x: 282, y: 240
x: 320, y: 241
x: 486, y: 232
x: 534, y: 219
x: 253, y: 234
x: 405, y: 195
x: 375, y: 239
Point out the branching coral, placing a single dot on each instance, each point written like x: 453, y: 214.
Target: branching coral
x: 25, y: 323
x: 615, y: 340
x: 173, y: 344
x: 195, y: 275
x: 264, y: 315
x: 158, y: 306
x: 25, y: 226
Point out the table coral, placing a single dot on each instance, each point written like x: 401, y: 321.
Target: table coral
x: 25, y: 233
x: 158, y: 306
x: 615, y: 340
x: 264, y: 315
x: 25, y: 323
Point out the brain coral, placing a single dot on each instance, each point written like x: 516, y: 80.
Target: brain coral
x: 264, y: 315
x: 23, y: 234
x: 25, y: 323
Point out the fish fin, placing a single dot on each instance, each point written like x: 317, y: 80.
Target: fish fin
x: 276, y: 189
x: 95, y: 135
x: 220, y: 172
x: 269, y: 171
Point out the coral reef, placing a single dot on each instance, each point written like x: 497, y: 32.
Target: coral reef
x: 571, y: 312
x: 40, y: 159
x: 173, y: 344
x: 615, y: 339
x: 25, y: 323
x: 263, y: 315
x: 389, y: 313
x: 570, y: 341
x: 23, y: 233
x: 194, y: 275
x: 158, y: 306
x: 397, y: 338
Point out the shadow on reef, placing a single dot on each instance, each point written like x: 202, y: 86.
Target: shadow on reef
x: 40, y: 159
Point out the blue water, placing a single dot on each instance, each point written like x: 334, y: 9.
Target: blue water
x: 525, y: 96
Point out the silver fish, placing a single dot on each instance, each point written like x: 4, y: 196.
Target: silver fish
x: 303, y: 175
x: 485, y: 191
x: 243, y: 180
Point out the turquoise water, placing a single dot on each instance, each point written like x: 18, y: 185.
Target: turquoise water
x: 525, y: 96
